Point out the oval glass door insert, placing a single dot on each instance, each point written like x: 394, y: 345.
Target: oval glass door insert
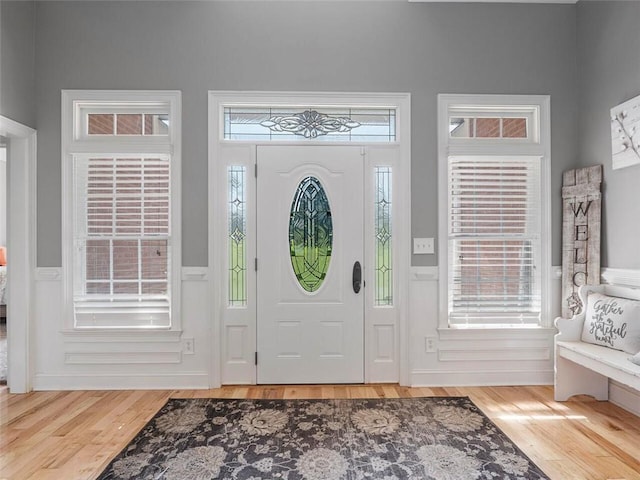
x: 310, y: 234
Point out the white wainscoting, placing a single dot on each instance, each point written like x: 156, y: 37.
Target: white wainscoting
x: 66, y: 360
x: 619, y: 394
x: 119, y: 359
x: 473, y: 357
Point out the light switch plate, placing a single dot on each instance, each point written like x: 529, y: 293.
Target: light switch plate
x: 422, y: 246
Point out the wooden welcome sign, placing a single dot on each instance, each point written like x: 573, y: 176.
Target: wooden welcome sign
x: 581, y: 210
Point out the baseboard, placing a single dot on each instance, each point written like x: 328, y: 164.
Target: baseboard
x: 452, y: 378
x: 191, y: 381
x: 624, y: 397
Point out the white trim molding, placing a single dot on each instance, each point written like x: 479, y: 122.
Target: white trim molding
x: 48, y: 274
x: 620, y: 276
x: 128, y: 381
x: 121, y: 358
x: 195, y: 274
x: 472, y: 356
x: 238, y: 324
x: 77, y: 144
x: 21, y: 229
x: 424, y: 274
x: 625, y: 397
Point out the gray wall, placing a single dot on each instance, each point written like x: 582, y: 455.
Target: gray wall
x: 17, y: 77
x: 424, y: 49
x: 608, y: 75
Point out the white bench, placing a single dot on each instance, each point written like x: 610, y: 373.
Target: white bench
x: 584, y: 368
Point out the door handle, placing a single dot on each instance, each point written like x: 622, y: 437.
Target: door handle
x: 356, y: 277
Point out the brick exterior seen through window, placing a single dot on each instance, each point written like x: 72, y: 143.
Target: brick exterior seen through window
x: 127, y: 197
x: 127, y: 124
x: 492, y: 201
x: 488, y: 127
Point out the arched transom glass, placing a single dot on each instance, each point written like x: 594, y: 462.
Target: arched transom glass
x: 310, y: 234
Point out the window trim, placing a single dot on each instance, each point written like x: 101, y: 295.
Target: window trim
x: 74, y: 142
x: 539, y: 145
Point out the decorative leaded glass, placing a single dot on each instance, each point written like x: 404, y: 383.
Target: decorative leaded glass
x: 310, y: 124
x: 383, y: 251
x: 319, y: 124
x: 310, y: 234
x: 237, y: 236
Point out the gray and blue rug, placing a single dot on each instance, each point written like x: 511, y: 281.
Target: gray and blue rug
x: 387, y: 439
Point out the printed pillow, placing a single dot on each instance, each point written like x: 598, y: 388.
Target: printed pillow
x: 612, y: 322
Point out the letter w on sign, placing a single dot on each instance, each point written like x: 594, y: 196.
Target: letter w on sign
x: 580, y: 234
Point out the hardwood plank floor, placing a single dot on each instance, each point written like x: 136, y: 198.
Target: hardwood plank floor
x: 74, y: 435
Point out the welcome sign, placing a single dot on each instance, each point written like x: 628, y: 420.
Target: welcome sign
x: 581, y: 200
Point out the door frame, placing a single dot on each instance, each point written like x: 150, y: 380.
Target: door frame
x: 395, y: 368
x: 21, y: 229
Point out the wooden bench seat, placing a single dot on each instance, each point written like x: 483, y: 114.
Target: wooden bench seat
x: 584, y: 368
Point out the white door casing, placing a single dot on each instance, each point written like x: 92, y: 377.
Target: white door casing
x: 309, y: 337
x: 233, y: 327
x: 21, y: 160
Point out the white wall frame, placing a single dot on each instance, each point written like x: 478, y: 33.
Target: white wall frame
x: 217, y: 221
x: 76, y: 142
x: 21, y: 227
x: 539, y: 145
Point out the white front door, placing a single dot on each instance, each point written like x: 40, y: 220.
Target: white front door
x: 310, y: 236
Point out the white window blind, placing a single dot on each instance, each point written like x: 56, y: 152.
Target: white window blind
x: 494, y: 234
x: 122, y: 239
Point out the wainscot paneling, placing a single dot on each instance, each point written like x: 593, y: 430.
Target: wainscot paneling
x: 67, y: 359
x: 442, y: 356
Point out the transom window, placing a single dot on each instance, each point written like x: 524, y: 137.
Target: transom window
x: 127, y: 123
x: 486, y: 123
x: 314, y: 123
x: 488, y: 127
x: 122, y: 160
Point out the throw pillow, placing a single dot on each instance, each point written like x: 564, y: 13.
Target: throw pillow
x: 636, y: 358
x: 612, y: 322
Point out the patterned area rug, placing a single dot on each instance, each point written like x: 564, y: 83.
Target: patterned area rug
x: 387, y: 439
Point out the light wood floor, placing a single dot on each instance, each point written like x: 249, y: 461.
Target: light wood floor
x: 73, y: 435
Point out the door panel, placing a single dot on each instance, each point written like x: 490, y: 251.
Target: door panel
x: 309, y: 332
